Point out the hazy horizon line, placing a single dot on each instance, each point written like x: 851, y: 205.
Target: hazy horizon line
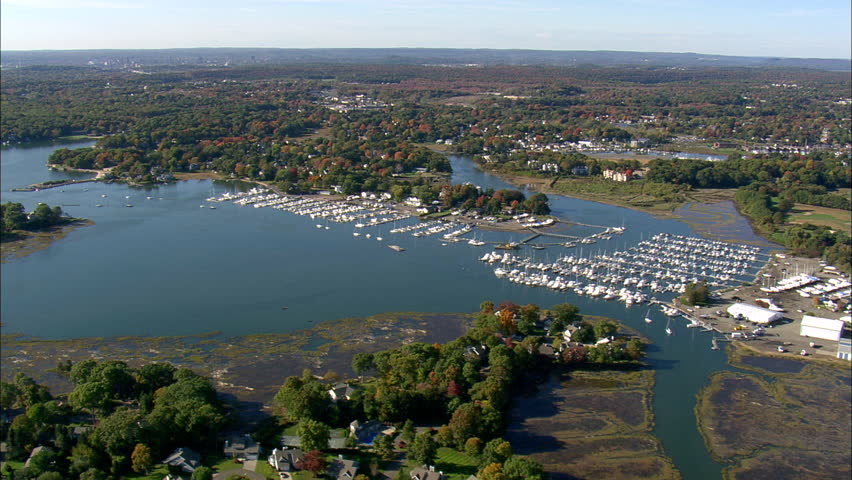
x: 420, y: 48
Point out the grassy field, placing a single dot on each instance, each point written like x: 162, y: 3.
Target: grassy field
x: 835, y: 218
x: 456, y: 465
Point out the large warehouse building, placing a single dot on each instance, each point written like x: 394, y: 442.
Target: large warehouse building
x: 823, y: 328
x: 753, y: 313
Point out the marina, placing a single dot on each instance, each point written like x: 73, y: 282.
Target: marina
x: 254, y: 260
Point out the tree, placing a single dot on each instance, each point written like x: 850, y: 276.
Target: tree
x: 529, y: 318
x: 473, y: 447
x: 492, y: 471
x: 605, y: 329
x: 465, y: 423
x: 8, y: 395
x: 584, y: 334
x: 523, y: 468
x: 574, y: 355
x: 50, y: 476
x: 424, y: 449
x: 634, y: 349
x: 202, y: 473
x: 407, y: 431
x: 315, y: 462
x: 303, y: 398
x: 696, y: 294
x: 383, y: 444
x: 93, y: 474
x: 564, y: 314
x: 314, y: 435
x: 362, y: 362
x: 141, y: 459
x: 495, y: 451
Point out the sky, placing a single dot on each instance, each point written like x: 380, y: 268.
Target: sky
x: 775, y: 28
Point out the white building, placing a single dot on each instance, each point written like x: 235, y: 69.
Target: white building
x: 753, y: 313
x: 823, y: 328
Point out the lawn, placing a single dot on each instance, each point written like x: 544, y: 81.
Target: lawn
x: 157, y: 472
x: 455, y: 464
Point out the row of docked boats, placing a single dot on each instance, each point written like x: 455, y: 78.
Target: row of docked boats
x: 661, y: 265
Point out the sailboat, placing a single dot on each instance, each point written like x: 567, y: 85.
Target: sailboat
x: 668, y: 327
x: 647, y: 317
x: 714, y: 345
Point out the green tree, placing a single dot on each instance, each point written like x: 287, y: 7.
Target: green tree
x: 362, y: 363
x: 605, y: 329
x: 8, y: 395
x: 383, y: 445
x: 584, y: 334
x: 696, y: 294
x: 93, y: 474
x: 523, y: 468
x: 303, y: 398
x: 495, y: 451
x: 424, y: 449
x: 407, y: 431
x: 566, y: 314
x: 202, y: 473
x: 313, y: 434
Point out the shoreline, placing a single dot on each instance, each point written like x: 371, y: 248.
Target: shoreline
x: 31, y: 242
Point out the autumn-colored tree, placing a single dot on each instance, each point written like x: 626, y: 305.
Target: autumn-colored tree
x: 574, y: 355
x: 141, y: 458
x: 315, y: 462
x: 507, y: 322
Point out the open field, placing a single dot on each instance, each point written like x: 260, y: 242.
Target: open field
x: 591, y: 424
x: 835, y: 218
x: 791, y: 420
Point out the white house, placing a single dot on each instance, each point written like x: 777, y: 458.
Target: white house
x: 823, y: 328
x: 753, y: 313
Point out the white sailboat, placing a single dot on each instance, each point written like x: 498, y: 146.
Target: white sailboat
x: 647, y: 316
x: 668, y: 327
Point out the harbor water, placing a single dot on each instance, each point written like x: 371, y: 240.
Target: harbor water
x: 170, y: 265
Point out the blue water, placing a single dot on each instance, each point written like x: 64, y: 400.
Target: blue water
x: 168, y: 267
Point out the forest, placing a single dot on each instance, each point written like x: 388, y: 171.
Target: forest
x: 307, y: 127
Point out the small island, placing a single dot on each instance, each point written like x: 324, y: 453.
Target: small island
x: 23, y: 233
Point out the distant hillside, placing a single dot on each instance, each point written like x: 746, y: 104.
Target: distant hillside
x: 244, y: 56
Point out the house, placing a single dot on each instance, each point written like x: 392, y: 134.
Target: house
x: 566, y: 335
x: 341, y: 391
x: 241, y: 447
x: 427, y: 473
x: 287, y: 459
x: 185, y: 459
x: 617, y: 176
x: 580, y: 170
x: 342, y: 469
x: 169, y: 476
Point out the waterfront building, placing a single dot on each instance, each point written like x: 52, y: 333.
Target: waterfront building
x: 753, y: 313
x: 844, y: 349
x: 822, y: 328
